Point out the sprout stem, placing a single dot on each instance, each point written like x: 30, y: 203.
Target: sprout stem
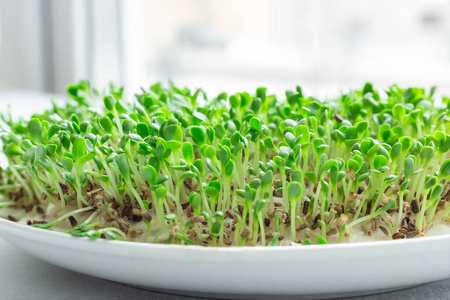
x: 51, y: 224
x: 20, y: 179
x: 6, y: 204
x: 9, y: 186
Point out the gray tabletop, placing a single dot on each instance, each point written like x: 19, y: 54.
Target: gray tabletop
x: 25, y: 277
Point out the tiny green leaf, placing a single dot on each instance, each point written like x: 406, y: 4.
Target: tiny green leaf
x: 187, y: 151
x: 294, y: 190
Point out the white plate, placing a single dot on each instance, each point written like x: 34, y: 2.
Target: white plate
x: 321, y: 271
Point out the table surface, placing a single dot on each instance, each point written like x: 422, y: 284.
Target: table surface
x: 25, y: 277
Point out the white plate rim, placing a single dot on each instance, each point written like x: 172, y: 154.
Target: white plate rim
x: 233, y: 249
x: 64, y: 250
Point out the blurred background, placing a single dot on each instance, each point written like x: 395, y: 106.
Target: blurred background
x: 324, y: 45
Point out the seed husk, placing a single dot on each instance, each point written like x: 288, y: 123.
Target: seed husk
x: 73, y: 221
x: 385, y: 231
x: 245, y: 233
x: 137, y: 214
x: 64, y: 188
x: 301, y: 227
x: 342, y: 220
x: 198, y: 219
x: 366, y: 230
x: 338, y: 118
x: 147, y: 216
x: 411, y: 234
x: 374, y: 225
x: 398, y: 235
x: 415, y: 206
x: 231, y: 214
x: 11, y: 218
x: 332, y: 231
x: 124, y: 226
x: 187, y: 183
x: 240, y: 208
x: 305, y: 207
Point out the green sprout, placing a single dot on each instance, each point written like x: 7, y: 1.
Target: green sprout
x: 294, y: 191
x: 174, y: 166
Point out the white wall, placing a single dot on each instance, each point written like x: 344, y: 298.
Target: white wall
x: 48, y: 44
x: 21, y: 45
x: 321, y: 44
x: 234, y: 44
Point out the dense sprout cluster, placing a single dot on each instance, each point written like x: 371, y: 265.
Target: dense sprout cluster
x: 173, y: 166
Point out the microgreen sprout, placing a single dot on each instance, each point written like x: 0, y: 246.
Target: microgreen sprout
x: 238, y: 169
x: 294, y: 191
